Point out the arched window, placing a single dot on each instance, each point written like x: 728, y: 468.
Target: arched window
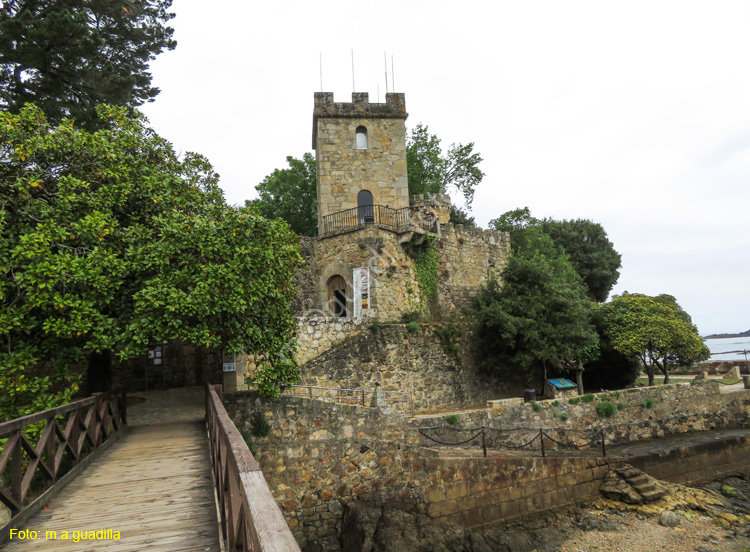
x: 337, y: 296
x: 361, y: 137
x: 366, y: 211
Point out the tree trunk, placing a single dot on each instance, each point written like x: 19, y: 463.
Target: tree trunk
x: 579, y: 377
x: 99, y: 373
x: 649, y: 370
x: 544, y: 372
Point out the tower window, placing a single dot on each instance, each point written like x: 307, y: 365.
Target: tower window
x: 337, y: 296
x: 361, y: 137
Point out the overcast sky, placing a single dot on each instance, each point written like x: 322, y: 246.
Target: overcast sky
x: 632, y: 114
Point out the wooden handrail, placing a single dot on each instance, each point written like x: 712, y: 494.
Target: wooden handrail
x: 250, y: 517
x: 93, y: 420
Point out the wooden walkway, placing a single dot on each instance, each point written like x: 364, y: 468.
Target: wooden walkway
x: 153, y: 485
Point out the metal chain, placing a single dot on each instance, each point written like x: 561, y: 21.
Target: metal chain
x: 512, y: 447
x: 448, y: 444
x: 572, y: 445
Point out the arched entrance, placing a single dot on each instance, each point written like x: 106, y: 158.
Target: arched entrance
x: 337, y: 295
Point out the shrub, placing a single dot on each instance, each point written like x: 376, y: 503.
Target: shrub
x: 564, y: 416
x: 413, y: 316
x: 728, y: 491
x: 555, y: 403
x: 606, y: 409
x: 621, y: 406
x: 452, y: 419
x: 536, y: 406
x: 574, y: 400
x: 259, y: 426
x: 615, y: 394
x: 412, y: 327
x: 588, y: 397
x: 647, y: 403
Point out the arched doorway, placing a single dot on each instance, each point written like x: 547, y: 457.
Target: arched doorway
x: 365, y: 208
x: 337, y: 296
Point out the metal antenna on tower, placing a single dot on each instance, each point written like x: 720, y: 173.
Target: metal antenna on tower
x: 385, y: 63
x: 354, y: 88
x: 393, y: 75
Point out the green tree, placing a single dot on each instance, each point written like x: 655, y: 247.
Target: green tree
x: 653, y: 328
x: 110, y: 242
x: 593, y: 256
x: 461, y: 216
x: 539, y: 317
x: 431, y: 171
x: 290, y: 194
x: 67, y: 56
x: 591, y: 253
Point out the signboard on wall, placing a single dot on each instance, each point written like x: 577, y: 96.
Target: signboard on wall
x: 230, y: 362
x: 361, y: 281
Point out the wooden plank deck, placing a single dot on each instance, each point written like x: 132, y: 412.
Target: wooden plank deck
x: 154, y: 486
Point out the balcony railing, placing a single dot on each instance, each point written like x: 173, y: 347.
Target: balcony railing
x: 398, y: 220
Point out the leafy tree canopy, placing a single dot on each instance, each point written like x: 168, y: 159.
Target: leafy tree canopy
x: 67, y: 56
x: 461, y: 216
x: 290, y: 194
x: 592, y: 254
x: 109, y: 241
x: 539, y: 316
x: 431, y: 171
x: 656, y: 328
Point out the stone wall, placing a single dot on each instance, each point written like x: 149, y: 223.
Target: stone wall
x: 319, y: 454
x: 343, y: 170
x: 439, y: 375
x: 644, y: 413
x: 467, y: 258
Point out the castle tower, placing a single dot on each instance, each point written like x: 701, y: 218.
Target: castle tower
x: 360, y: 150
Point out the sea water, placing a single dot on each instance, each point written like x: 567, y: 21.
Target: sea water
x: 726, y: 344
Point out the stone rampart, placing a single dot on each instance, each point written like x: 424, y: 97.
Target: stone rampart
x: 641, y: 413
x: 439, y: 372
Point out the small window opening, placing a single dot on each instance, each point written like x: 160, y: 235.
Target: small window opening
x: 361, y: 137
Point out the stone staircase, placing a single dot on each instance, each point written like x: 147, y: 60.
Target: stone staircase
x: 632, y: 486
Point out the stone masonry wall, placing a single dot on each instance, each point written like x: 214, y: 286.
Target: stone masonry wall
x: 645, y: 413
x: 319, y: 454
x: 467, y: 258
x: 437, y: 377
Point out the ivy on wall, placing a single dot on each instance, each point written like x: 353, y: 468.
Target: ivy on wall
x: 426, y: 263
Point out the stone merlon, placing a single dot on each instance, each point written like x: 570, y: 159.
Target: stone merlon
x: 360, y: 107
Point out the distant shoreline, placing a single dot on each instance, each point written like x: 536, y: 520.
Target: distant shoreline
x: 722, y: 336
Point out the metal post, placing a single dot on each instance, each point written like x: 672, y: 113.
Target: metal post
x: 309, y: 387
x: 363, y: 397
x: 604, y: 450
x: 541, y: 440
x: 484, y: 444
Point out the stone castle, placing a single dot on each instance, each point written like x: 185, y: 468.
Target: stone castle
x: 364, y: 264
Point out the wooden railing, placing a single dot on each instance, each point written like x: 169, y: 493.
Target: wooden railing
x: 78, y: 429
x: 251, y: 520
x: 398, y: 220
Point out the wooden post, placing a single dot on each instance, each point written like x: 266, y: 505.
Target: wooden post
x: 484, y: 444
x: 541, y: 440
x: 604, y: 450
x: 16, y: 474
x: 363, y: 397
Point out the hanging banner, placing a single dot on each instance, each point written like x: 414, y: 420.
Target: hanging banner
x: 361, y: 281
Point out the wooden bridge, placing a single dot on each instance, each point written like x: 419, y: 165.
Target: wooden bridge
x: 91, y: 482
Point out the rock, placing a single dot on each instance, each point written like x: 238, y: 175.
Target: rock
x: 703, y: 549
x: 669, y: 519
x: 592, y: 522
